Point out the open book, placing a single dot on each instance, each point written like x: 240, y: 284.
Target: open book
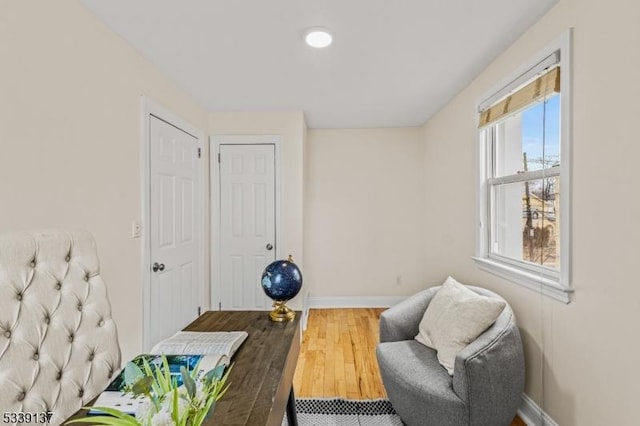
x: 221, y: 343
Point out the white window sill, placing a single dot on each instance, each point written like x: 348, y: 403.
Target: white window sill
x: 540, y: 284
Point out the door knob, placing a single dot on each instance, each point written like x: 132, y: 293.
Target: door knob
x: 158, y: 267
x: 269, y: 246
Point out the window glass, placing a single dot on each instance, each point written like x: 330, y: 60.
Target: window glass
x: 527, y: 222
x: 532, y: 135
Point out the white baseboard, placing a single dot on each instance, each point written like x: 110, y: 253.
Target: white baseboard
x: 533, y: 415
x: 305, y: 310
x: 354, y: 302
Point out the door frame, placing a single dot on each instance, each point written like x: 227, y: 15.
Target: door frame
x: 215, y: 142
x: 149, y: 108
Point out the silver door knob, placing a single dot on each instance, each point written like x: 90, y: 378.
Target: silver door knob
x: 158, y: 267
x: 269, y: 246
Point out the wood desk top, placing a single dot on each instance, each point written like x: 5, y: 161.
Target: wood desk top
x: 263, y: 368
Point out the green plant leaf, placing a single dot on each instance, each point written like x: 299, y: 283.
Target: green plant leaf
x: 214, y: 374
x: 202, y: 414
x: 163, y: 381
x: 116, y: 413
x: 142, y: 386
x: 149, y: 371
x: 195, y: 370
x: 189, y: 383
x: 164, y: 378
x: 146, y: 367
x: 174, y: 408
x: 115, y: 417
x: 132, y: 373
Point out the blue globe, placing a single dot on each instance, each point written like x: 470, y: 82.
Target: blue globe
x: 281, y: 280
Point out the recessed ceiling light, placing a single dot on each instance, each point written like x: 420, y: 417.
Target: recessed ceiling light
x: 318, y: 37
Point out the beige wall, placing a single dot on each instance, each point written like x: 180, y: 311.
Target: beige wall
x: 291, y: 127
x: 582, y: 357
x: 70, y: 137
x: 364, y: 209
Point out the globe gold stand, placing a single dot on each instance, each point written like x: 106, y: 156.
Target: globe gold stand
x: 282, y: 312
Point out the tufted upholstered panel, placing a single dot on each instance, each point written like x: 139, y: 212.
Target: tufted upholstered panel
x: 58, y: 343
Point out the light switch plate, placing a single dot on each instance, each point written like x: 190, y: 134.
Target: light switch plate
x: 136, y: 229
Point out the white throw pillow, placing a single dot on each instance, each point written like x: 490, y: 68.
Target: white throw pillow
x: 455, y: 317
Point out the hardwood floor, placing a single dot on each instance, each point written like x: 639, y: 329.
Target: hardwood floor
x: 337, y: 356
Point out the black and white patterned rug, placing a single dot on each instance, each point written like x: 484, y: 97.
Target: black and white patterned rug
x: 345, y: 412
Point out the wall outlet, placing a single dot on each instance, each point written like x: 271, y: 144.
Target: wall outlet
x: 136, y: 229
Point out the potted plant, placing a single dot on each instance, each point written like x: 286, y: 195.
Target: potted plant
x: 166, y: 401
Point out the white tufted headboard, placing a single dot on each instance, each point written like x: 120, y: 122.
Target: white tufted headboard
x: 58, y: 343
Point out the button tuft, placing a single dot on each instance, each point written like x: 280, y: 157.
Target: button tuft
x: 68, y: 258
x: 7, y: 334
x: 91, y: 356
x: 71, y: 338
x: 21, y: 396
x: 59, y: 375
x: 86, y: 277
x: 81, y: 393
x: 33, y: 263
x: 58, y: 285
x: 19, y: 296
x: 101, y: 323
x: 47, y: 319
x: 80, y: 307
x: 36, y: 356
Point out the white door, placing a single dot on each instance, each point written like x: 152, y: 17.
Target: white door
x: 247, y: 223
x: 175, y: 290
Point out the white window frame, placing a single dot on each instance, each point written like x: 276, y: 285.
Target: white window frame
x: 544, y: 280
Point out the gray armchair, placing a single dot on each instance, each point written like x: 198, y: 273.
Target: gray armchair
x: 488, y: 379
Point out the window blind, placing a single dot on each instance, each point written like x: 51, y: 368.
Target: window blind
x: 542, y: 86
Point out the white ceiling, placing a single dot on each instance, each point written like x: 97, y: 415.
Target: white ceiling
x: 392, y: 63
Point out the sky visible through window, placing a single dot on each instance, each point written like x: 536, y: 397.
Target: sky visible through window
x: 541, y: 142
x: 533, y: 133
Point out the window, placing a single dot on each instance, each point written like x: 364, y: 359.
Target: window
x: 524, y: 183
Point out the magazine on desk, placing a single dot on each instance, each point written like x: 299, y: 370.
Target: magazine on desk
x: 206, y: 350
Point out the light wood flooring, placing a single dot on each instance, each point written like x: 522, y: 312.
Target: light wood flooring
x: 337, y: 356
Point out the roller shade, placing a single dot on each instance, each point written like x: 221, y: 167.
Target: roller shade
x: 542, y: 86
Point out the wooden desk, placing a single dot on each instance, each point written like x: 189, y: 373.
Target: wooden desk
x: 261, y: 382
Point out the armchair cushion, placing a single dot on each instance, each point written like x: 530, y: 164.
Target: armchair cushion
x: 456, y: 317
